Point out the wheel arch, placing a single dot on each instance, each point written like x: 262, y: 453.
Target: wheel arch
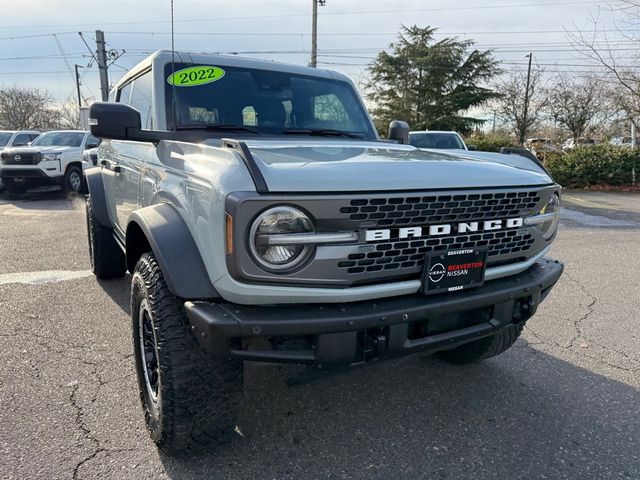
x: 160, y: 229
x: 95, y: 186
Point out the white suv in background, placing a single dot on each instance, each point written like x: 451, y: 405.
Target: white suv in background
x: 54, y: 158
x: 438, y: 140
x: 17, y: 138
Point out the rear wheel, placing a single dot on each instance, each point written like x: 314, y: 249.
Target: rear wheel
x: 72, y: 182
x: 107, y: 258
x: 485, y: 347
x: 190, y: 399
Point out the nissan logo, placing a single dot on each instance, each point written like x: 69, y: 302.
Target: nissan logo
x: 17, y: 158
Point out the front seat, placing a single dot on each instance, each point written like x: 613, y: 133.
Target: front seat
x: 270, y: 113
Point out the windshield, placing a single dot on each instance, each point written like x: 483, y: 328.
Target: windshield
x: 59, y: 139
x: 4, y: 138
x: 436, y: 140
x: 264, y: 102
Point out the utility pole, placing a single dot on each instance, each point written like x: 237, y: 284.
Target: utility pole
x: 526, y: 103
x: 101, y: 57
x: 78, y: 86
x: 314, y: 32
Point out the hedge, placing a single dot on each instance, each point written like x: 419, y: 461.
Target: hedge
x: 586, y: 166
x: 489, y: 143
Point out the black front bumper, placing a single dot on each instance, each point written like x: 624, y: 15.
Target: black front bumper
x: 353, y: 332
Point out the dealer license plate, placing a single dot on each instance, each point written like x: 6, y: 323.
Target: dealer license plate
x: 452, y: 270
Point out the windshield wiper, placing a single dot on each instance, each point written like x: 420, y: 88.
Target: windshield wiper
x: 212, y: 127
x: 323, y: 132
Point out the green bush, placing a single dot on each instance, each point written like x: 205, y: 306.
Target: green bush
x: 586, y: 166
x: 489, y: 143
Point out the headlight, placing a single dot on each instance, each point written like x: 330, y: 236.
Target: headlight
x: 279, y: 221
x: 50, y: 156
x: 548, y: 218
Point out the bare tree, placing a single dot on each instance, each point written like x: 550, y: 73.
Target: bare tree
x: 68, y: 116
x: 510, y: 106
x: 602, y: 45
x: 25, y: 108
x: 575, y: 102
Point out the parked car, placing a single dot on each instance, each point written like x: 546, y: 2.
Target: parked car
x: 438, y: 140
x: 54, y: 158
x: 624, y: 142
x: 16, y: 138
x: 296, y: 235
x: 570, y: 143
x: 540, y: 146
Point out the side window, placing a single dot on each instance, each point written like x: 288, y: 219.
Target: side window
x: 124, y: 94
x: 92, y: 142
x: 328, y: 109
x: 33, y: 136
x: 21, y: 140
x: 142, y: 99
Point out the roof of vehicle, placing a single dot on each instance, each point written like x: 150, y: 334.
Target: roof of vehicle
x: 67, y: 131
x: 166, y: 56
x: 20, y: 131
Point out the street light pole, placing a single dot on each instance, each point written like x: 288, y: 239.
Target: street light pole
x: 523, y: 132
x: 78, y: 86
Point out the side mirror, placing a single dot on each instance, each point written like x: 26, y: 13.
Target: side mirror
x: 113, y: 120
x: 28, y: 144
x: 399, y: 131
x: 472, y: 147
x: 89, y: 146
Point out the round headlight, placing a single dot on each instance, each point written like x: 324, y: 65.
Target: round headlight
x: 279, y: 221
x: 552, y: 207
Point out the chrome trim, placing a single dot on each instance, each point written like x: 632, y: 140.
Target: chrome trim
x: 310, y: 238
x: 538, y: 219
x: 514, y: 268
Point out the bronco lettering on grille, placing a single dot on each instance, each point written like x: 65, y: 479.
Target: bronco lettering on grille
x: 444, y: 229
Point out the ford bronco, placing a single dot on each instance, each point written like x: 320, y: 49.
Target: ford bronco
x: 263, y: 219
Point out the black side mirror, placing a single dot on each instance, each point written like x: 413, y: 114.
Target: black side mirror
x: 472, y: 147
x: 399, y: 131
x: 89, y: 146
x: 113, y: 120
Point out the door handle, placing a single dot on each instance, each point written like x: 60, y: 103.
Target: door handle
x: 117, y: 169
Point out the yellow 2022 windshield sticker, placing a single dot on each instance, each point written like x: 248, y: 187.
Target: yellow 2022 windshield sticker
x: 194, y: 76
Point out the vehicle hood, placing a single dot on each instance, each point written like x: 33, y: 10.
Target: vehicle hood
x: 343, y: 165
x: 53, y: 149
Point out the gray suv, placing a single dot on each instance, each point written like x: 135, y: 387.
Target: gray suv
x: 262, y: 219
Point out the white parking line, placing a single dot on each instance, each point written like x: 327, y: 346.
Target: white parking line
x: 47, y: 276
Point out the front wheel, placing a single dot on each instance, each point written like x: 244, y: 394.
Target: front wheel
x: 72, y: 182
x: 190, y: 399
x: 485, y: 347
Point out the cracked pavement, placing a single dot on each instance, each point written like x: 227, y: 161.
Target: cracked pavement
x: 563, y: 403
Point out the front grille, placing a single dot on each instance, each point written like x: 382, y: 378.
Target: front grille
x: 410, y: 254
x: 394, y: 259
x: 418, y: 210
x: 21, y: 158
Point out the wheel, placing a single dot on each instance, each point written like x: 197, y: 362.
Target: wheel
x: 13, y: 187
x: 107, y: 258
x: 485, y: 347
x: 190, y: 399
x: 72, y: 182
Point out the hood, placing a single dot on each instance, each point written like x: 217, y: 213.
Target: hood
x: 346, y: 165
x: 53, y: 149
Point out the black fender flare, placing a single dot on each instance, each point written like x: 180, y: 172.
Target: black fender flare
x: 174, y: 249
x: 95, y: 185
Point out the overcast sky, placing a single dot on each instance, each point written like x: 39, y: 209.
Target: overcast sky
x: 350, y: 32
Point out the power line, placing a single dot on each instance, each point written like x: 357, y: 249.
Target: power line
x: 359, y: 12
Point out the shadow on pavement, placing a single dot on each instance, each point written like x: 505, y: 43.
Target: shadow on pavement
x: 119, y: 290
x: 43, y: 198
x: 522, y: 415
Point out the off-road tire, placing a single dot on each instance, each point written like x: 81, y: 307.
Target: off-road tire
x: 107, y: 258
x: 72, y: 182
x: 197, y: 396
x: 485, y: 347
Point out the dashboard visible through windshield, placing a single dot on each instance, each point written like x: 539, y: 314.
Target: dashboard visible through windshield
x: 263, y: 102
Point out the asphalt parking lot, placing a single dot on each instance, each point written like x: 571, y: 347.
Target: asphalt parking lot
x: 563, y: 403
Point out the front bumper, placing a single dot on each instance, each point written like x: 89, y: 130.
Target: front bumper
x: 49, y: 174
x: 353, y: 332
